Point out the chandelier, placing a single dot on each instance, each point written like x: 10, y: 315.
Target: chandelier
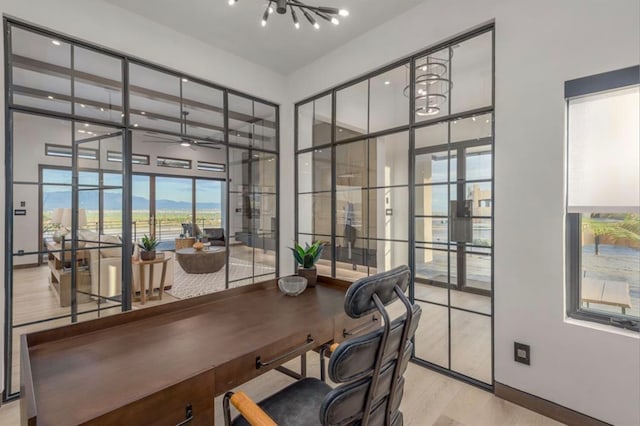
x: 329, y: 14
x: 432, y: 83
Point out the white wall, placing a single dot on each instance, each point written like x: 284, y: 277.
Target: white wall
x: 539, y: 45
x: 109, y: 26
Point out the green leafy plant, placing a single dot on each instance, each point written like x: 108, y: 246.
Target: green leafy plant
x: 309, y: 255
x: 148, y: 244
x: 628, y: 228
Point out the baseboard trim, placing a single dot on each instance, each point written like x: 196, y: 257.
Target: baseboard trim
x: 545, y: 407
x: 26, y: 266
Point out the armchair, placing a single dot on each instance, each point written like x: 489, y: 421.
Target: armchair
x: 215, y: 236
x: 105, y: 265
x: 368, y: 368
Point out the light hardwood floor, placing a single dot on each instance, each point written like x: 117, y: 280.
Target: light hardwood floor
x: 429, y: 399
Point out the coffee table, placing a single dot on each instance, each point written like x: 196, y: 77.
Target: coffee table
x: 203, y: 261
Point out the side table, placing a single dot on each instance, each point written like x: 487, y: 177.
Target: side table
x: 141, y: 264
x: 187, y: 242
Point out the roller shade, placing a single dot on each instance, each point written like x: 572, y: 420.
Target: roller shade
x: 604, y: 152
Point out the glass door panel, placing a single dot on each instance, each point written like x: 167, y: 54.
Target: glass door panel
x: 209, y: 205
x: 174, y: 207
x: 97, y: 259
x: 141, y: 216
x: 453, y: 253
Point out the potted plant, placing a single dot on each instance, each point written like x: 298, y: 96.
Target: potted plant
x: 306, y: 258
x: 148, y: 247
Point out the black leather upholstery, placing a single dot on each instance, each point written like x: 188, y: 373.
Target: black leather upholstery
x: 370, y: 367
x: 215, y: 236
x: 356, y: 359
x: 358, y: 301
x: 296, y: 405
x: 353, y: 363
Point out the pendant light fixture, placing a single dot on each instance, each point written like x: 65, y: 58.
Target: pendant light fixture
x: 432, y: 83
x: 329, y: 14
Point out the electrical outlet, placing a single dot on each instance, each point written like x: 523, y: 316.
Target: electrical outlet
x: 522, y: 353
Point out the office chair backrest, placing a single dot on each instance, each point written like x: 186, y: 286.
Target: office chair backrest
x: 370, y: 367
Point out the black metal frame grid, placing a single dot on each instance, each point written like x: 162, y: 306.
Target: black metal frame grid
x: 126, y: 128
x: 410, y: 127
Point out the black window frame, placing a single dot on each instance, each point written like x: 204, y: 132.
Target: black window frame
x: 584, y: 86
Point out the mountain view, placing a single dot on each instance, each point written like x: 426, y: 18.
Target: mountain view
x: 113, y: 201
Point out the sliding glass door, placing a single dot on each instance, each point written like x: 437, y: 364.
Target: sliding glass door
x: 173, y: 207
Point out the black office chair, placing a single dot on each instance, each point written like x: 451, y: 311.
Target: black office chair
x: 369, y: 369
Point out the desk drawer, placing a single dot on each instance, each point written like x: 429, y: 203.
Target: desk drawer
x: 171, y: 406
x: 243, y: 369
x: 347, y: 327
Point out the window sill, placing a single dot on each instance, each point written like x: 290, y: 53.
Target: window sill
x: 602, y: 327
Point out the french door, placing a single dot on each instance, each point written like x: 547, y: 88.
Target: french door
x: 453, y: 216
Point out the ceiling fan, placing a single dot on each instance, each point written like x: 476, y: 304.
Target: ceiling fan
x: 185, y: 141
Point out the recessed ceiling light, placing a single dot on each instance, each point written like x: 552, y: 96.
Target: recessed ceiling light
x: 50, y: 97
x: 343, y: 12
x: 82, y: 105
x: 184, y: 80
x: 143, y: 113
x: 135, y: 125
x: 335, y: 21
x: 102, y: 109
x: 387, y: 82
x: 270, y: 10
x: 86, y: 124
x: 56, y: 42
x: 185, y: 143
x: 473, y: 118
x: 81, y: 131
x: 487, y: 120
x: 232, y: 2
x: 122, y: 115
x: 316, y: 26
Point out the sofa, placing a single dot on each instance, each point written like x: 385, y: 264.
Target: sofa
x: 105, y: 265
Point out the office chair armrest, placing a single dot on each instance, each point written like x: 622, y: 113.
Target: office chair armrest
x: 247, y: 408
x: 326, y: 350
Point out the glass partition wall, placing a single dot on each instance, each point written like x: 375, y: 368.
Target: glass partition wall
x: 103, y: 149
x: 397, y: 168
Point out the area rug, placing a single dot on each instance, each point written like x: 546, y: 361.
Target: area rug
x: 191, y: 285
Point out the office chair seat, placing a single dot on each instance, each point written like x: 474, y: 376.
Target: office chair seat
x: 296, y: 405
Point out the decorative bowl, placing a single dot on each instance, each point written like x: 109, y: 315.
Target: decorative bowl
x: 198, y: 246
x: 292, y: 286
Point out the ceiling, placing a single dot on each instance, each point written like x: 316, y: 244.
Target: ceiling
x: 278, y: 46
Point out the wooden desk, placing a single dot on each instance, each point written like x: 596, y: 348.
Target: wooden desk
x: 141, y: 264
x: 146, y: 366
x: 612, y: 293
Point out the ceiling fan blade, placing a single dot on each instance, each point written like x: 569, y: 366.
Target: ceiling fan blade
x: 161, y: 141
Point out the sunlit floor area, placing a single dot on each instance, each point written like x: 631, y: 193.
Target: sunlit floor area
x: 37, y: 307
x: 429, y: 399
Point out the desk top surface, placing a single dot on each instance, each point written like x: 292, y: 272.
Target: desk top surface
x: 104, y: 364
